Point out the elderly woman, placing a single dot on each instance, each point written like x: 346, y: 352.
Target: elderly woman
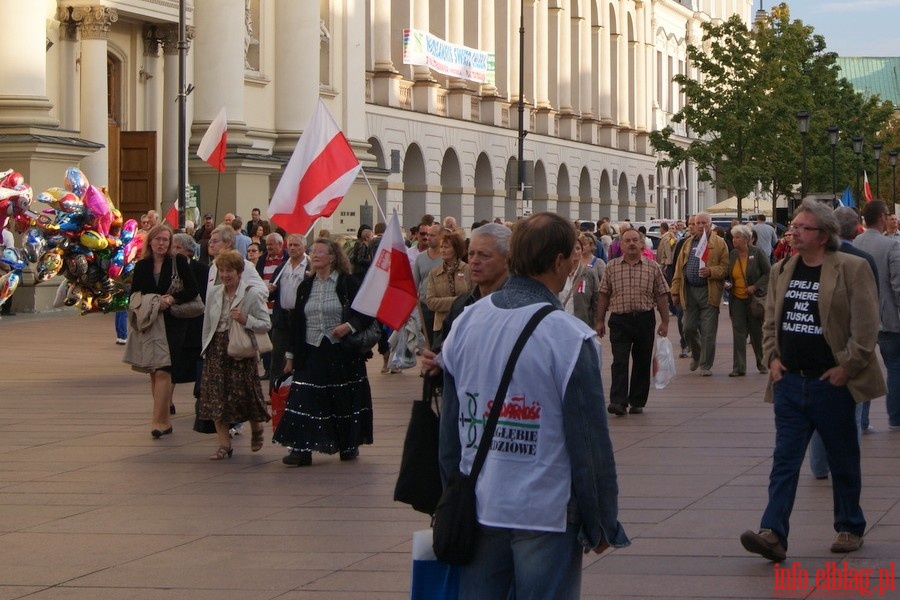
x: 329, y: 408
x: 230, y: 391
x: 579, y: 294
x: 167, y: 275
x: 190, y: 368
x: 748, y: 275
x: 447, y: 281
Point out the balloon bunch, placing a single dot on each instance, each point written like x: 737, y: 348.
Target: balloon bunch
x: 80, y: 235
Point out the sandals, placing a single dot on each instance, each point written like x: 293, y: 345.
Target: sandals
x: 256, y: 440
x: 222, y: 453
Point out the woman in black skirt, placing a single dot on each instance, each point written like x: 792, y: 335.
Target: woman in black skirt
x: 329, y: 409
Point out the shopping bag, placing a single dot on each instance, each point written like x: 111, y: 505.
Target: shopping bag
x: 404, y: 343
x: 431, y: 578
x: 663, y: 363
x: 281, y: 389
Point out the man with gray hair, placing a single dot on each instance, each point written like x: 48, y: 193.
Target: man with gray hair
x: 819, y: 339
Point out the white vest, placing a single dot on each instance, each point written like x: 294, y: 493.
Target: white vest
x: 527, y: 477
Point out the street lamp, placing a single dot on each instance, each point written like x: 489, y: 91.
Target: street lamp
x: 857, y: 150
x: 833, y: 140
x: 803, y: 124
x: 876, y: 154
x: 893, y: 155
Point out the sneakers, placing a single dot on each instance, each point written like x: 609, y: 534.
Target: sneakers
x: 846, y: 542
x: 237, y: 429
x: 868, y: 429
x: 616, y: 409
x: 121, y: 341
x: 765, y: 543
x: 684, y: 353
x: 705, y: 373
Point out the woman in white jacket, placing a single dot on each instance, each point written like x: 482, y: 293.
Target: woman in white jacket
x: 230, y: 391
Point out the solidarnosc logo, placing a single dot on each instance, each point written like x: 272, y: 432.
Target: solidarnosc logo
x: 832, y: 580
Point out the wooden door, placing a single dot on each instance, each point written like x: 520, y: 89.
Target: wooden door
x: 137, y: 173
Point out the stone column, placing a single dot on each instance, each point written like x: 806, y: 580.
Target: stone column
x: 491, y: 107
x: 23, y: 79
x: 568, y: 120
x: 640, y: 59
x: 296, y: 34
x: 168, y: 134
x: 486, y: 39
x: 147, y: 78
x: 219, y: 58
x: 69, y: 107
x: 460, y: 96
x: 94, y: 23
x: 385, y: 77
x: 425, y: 87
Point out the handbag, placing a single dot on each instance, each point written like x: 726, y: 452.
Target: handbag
x: 757, y: 306
x: 419, y: 479
x: 245, y: 343
x: 187, y: 310
x: 455, y: 521
x: 363, y: 340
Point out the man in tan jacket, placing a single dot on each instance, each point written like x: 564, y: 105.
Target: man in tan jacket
x: 819, y: 339
x: 698, y: 289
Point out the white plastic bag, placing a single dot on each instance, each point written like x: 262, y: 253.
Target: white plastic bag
x: 404, y: 343
x: 663, y: 363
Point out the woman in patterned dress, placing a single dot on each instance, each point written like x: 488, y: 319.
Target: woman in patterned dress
x: 230, y: 391
x: 329, y: 409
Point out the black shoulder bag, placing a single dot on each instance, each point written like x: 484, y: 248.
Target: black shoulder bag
x: 455, y: 519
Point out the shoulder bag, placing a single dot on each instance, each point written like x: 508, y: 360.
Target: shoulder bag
x: 419, y: 480
x: 455, y: 519
x: 184, y: 310
x: 363, y: 340
x: 757, y: 303
x: 245, y: 343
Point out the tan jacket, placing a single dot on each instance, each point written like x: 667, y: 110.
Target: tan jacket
x: 438, y: 297
x: 848, y: 309
x: 147, y: 348
x: 717, y: 265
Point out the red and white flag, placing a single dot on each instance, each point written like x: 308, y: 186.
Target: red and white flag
x: 702, y: 250
x: 213, y: 144
x: 867, y: 191
x: 388, y: 291
x: 318, y: 175
x: 172, y: 216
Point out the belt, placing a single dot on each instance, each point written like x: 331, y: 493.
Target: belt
x: 808, y: 373
x: 636, y: 313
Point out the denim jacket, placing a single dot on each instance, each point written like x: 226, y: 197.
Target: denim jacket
x: 593, y: 504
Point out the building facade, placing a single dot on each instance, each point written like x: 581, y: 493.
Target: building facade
x: 96, y: 84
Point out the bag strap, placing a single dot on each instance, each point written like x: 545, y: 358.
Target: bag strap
x: 500, y: 397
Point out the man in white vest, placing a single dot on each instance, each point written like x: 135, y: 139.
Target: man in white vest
x: 548, y: 492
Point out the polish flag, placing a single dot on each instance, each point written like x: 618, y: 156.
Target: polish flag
x: 388, y: 291
x: 318, y: 175
x: 213, y: 144
x: 702, y: 250
x: 867, y: 191
x: 172, y: 216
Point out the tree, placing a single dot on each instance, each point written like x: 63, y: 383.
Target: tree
x: 742, y: 108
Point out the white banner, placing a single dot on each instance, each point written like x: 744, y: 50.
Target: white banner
x: 423, y: 49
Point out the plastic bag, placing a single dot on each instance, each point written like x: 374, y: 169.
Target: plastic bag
x: 403, y: 343
x: 663, y: 363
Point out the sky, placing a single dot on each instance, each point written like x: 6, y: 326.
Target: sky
x: 851, y: 27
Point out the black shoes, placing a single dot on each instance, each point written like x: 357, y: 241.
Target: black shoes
x: 765, y: 543
x: 350, y: 454
x: 158, y: 433
x: 298, y: 458
x: 636, y: 410
x: 616, y: 409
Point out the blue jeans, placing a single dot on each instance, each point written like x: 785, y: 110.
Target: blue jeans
x: 818, y: 459
x: 121, y: 324
x: 804, y: 405
x: 889, y: 344
x: 523, y: 564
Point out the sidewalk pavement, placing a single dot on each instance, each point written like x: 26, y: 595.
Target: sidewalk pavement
x: 92, y: 507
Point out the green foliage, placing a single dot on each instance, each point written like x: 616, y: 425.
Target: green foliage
x: 741, y: 109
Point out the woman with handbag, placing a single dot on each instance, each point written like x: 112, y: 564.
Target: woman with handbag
x: 447, y: 281
x: 748, y: 272
x: 162, y: 275
x: 230, y: 391
x: 579, y: 296
x: 329, y: 409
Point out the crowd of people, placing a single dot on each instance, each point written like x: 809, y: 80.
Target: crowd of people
x: 817, y: 352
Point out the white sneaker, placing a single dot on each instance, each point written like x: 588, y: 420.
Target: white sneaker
x: 236, y: 430
x: 121, y: 341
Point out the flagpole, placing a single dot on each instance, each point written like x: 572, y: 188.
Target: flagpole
x: 374, y: 197
x: 216, y: 211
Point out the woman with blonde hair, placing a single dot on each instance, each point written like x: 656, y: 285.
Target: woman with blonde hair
x: 748, y: 276
x: 164, y: 277
x: 230, y: 391
x: 447, y: 281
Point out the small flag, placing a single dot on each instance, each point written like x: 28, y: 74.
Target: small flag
x: 172, y: 216
x: 847, y: 198
x: 318, y: 175
x: 388, y: 291
x: 702, y: 250
x: 867, y: 191
x: 213, y: 144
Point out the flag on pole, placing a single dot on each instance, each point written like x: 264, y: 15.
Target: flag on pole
x: 213, y: 144
x: 702, y: 250
x: 388, y: 291
x: 172, y: 216
x: 847, y: 198
x: 867, y: 191
x: 318, y: 175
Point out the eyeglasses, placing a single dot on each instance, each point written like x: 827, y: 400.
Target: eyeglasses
x: 805, y: 228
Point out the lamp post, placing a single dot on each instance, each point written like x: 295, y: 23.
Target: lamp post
x: 893, y: 155
x: 876, y: 154
x: 803, y: 125
x: 833, y: 140
x: 857, y: 150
